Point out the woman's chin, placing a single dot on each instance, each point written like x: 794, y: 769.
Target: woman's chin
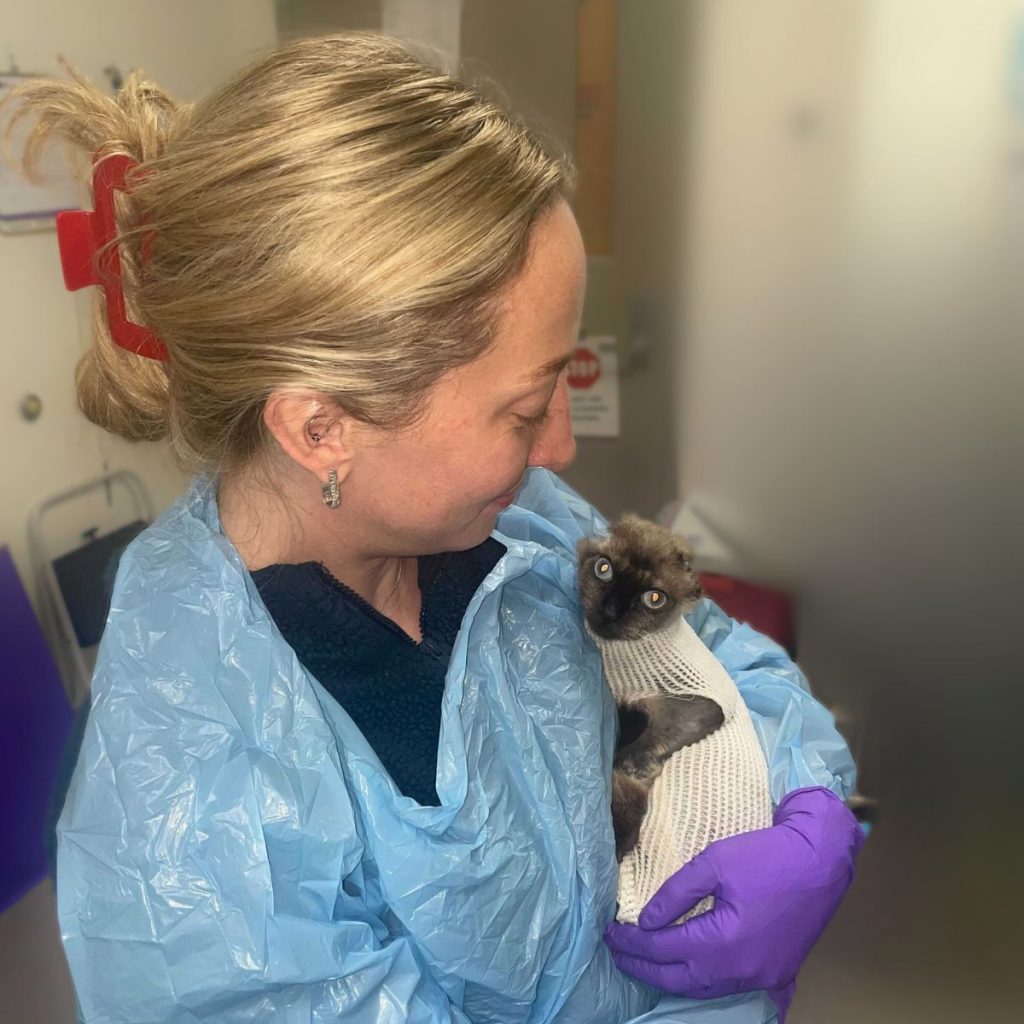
x: 476, y: 532
x: 503, y: 502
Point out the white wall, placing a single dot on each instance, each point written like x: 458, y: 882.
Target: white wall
x: 849, y: 382
x: 188, y: 47
x: 851, y: 417
x: 763, y: 361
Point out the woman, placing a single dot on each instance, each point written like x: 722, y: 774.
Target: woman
x: 349, y: 750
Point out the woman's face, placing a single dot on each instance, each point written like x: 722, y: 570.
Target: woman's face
x: 440, y: 485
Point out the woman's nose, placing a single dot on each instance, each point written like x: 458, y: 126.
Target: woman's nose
x: 554, y: 447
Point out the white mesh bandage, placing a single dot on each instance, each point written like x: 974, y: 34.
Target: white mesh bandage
x: 712, y: 789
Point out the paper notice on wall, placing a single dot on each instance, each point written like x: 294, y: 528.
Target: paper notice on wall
x: 434, y: 24
x: 594, y: 388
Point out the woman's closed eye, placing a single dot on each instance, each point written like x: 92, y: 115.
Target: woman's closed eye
x: 532, y: 422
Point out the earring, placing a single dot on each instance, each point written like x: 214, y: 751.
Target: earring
x: 329, y: 490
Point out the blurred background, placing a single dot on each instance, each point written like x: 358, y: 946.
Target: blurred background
x: 805, y: 229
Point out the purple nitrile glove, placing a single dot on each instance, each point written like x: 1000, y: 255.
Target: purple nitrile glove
x: 775, y: 890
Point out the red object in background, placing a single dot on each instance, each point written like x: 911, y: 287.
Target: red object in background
x: 762, y: 608
x: 584, y: 369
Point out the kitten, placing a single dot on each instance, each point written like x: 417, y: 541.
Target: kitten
x: 634, y: 582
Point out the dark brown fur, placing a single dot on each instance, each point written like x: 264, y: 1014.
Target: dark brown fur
x: 644, y: 558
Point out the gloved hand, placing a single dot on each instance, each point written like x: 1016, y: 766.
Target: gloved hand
x: 775, y: 890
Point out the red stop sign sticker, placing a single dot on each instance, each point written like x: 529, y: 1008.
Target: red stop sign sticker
x: 584, y: 369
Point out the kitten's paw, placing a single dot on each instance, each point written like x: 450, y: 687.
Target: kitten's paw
x: 629, y: 805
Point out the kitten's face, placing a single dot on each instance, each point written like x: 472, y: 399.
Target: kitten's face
x: 636, y: 580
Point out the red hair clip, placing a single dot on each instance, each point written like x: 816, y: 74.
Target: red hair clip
x: 87, y: 257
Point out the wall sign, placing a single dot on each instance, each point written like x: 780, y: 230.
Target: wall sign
x: 593, y: 377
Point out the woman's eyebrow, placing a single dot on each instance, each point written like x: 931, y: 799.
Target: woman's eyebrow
x: 552, y: 366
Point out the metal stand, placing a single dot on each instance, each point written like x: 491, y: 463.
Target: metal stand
x: 74, y: 661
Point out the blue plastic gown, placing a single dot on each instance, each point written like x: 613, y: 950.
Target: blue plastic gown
x: 231, y: 849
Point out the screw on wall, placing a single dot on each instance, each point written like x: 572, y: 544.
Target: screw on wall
x: 31, y: 408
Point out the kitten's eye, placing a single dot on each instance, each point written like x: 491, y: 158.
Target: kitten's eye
x: 655, y: 599
x: 603, y: 570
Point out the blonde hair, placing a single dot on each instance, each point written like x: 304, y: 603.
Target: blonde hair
x: 339, y: 217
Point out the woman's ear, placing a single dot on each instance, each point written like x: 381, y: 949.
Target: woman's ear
x: 312, y: 431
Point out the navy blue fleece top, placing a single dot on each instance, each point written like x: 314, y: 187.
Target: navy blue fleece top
x: 389, y: 685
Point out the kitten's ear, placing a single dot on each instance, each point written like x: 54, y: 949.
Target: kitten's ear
x: 685, y: 554
x: 629, y: 528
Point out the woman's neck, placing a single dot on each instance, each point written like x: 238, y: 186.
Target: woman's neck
x: 290, y: 524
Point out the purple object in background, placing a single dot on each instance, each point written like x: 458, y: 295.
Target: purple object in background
x: 34, y: 723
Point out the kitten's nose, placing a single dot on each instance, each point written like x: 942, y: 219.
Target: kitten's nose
x: 611, y: 609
